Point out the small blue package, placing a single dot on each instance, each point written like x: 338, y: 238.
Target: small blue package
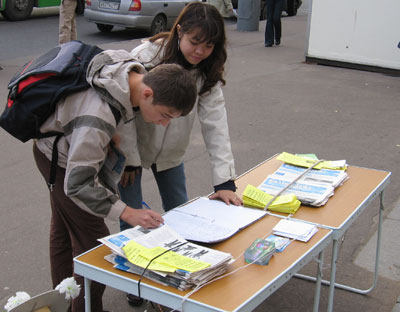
x: 280, y: 242
x: 259, y: 252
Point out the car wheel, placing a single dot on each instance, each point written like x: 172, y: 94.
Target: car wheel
x: 292, y: 7
x: 158, y: 25
x: 17, y: 10
x: 104, y: 27
x: 4, y: 15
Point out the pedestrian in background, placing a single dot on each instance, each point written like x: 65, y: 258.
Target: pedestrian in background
x: 224, y: 7
x: 273, y: 27
x: 67, y: 26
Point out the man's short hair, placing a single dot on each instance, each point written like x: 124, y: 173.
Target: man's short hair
x: 173, y: 86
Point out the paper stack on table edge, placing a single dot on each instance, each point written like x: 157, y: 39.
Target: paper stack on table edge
x: 314, y: 188
x: 295, y: 229
x: 167, y: 238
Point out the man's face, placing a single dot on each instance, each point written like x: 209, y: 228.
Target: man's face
x: 157, y: 114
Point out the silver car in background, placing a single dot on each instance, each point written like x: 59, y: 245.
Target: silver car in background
x: 154, y: 16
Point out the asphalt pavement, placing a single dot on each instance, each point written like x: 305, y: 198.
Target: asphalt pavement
x: 276, y: 102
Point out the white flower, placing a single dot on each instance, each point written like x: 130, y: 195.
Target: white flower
x: 20, y: 297
x: 69, y: 287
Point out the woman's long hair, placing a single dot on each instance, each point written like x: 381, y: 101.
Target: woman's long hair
x: 209, y: 22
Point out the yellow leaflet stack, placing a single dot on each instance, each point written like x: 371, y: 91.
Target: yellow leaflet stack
x: 167, y: 262
x: 308, y: 162
x: 254, y: 197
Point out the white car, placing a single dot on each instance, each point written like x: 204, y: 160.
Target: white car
x: 153, y: 15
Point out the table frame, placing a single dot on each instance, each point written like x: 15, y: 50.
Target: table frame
x: 337, y: 236
x: 339, y: 232
x: 336, y: 232
x: 128, y: 282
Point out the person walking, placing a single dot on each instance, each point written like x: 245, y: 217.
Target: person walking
x: 67, y: 22
x: 273, y: 27
x: 224, y: 7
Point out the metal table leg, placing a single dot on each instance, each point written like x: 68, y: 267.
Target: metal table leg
x: 332, y: 283
x: 87, y: 284
x: 333, y: 274
x: 318, y: 281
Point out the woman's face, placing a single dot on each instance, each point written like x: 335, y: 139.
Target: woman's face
x: 191, y: 48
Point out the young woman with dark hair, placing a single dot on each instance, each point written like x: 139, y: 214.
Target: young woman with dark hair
x: 197, y: 41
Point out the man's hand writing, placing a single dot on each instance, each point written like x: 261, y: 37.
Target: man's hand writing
x: 148, y: 219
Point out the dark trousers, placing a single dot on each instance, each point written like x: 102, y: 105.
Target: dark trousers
x: 72, y: 232
x: 273, y: 28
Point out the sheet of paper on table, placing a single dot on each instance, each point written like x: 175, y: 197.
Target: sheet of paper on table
x: 210, y: 221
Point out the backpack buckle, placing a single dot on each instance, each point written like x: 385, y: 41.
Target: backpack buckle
x: 51, y: 186
x: 13, y: 92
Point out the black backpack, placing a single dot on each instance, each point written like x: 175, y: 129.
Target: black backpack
x: 37, y: 87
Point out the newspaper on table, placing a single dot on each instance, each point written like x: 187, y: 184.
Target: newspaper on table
x: 329, y: 176
x: 165, y: 237
x: 314, y: 188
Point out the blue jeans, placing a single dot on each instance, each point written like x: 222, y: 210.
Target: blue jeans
x: 273, y: 27
x: 171, y: 185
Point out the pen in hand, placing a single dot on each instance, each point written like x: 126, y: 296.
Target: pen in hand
x: 144, y: 204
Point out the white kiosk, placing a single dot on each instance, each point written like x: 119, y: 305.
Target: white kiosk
x: 361, y: 34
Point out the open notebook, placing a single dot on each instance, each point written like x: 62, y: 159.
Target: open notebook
x: 210, y: 221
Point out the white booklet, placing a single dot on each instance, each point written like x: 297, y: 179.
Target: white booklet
x: 295, y: 229
x: 210, y: 221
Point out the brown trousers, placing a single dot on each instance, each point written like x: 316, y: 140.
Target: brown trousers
x: 72, y: 232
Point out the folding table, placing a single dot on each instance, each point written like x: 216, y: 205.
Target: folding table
x: 341, y: 210
x: 243, y: 290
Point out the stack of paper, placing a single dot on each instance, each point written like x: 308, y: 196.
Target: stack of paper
x: 329, y: 176
x: 309, y: 193
x: 295, y: 229
x: 304, y: 161
x: 183, y: 266
x: 314, y: 188
x: 254, y: 197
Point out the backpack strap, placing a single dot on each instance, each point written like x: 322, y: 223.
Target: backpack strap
x: 54, y: 159
x: 54, y: 154
x: 116, y: 113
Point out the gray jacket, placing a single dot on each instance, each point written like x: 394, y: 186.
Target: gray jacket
x: 88, y: 125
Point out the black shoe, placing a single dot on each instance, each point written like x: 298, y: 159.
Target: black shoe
x: 134, y: 301
x: 277, y: 42
x: 267, y: 45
